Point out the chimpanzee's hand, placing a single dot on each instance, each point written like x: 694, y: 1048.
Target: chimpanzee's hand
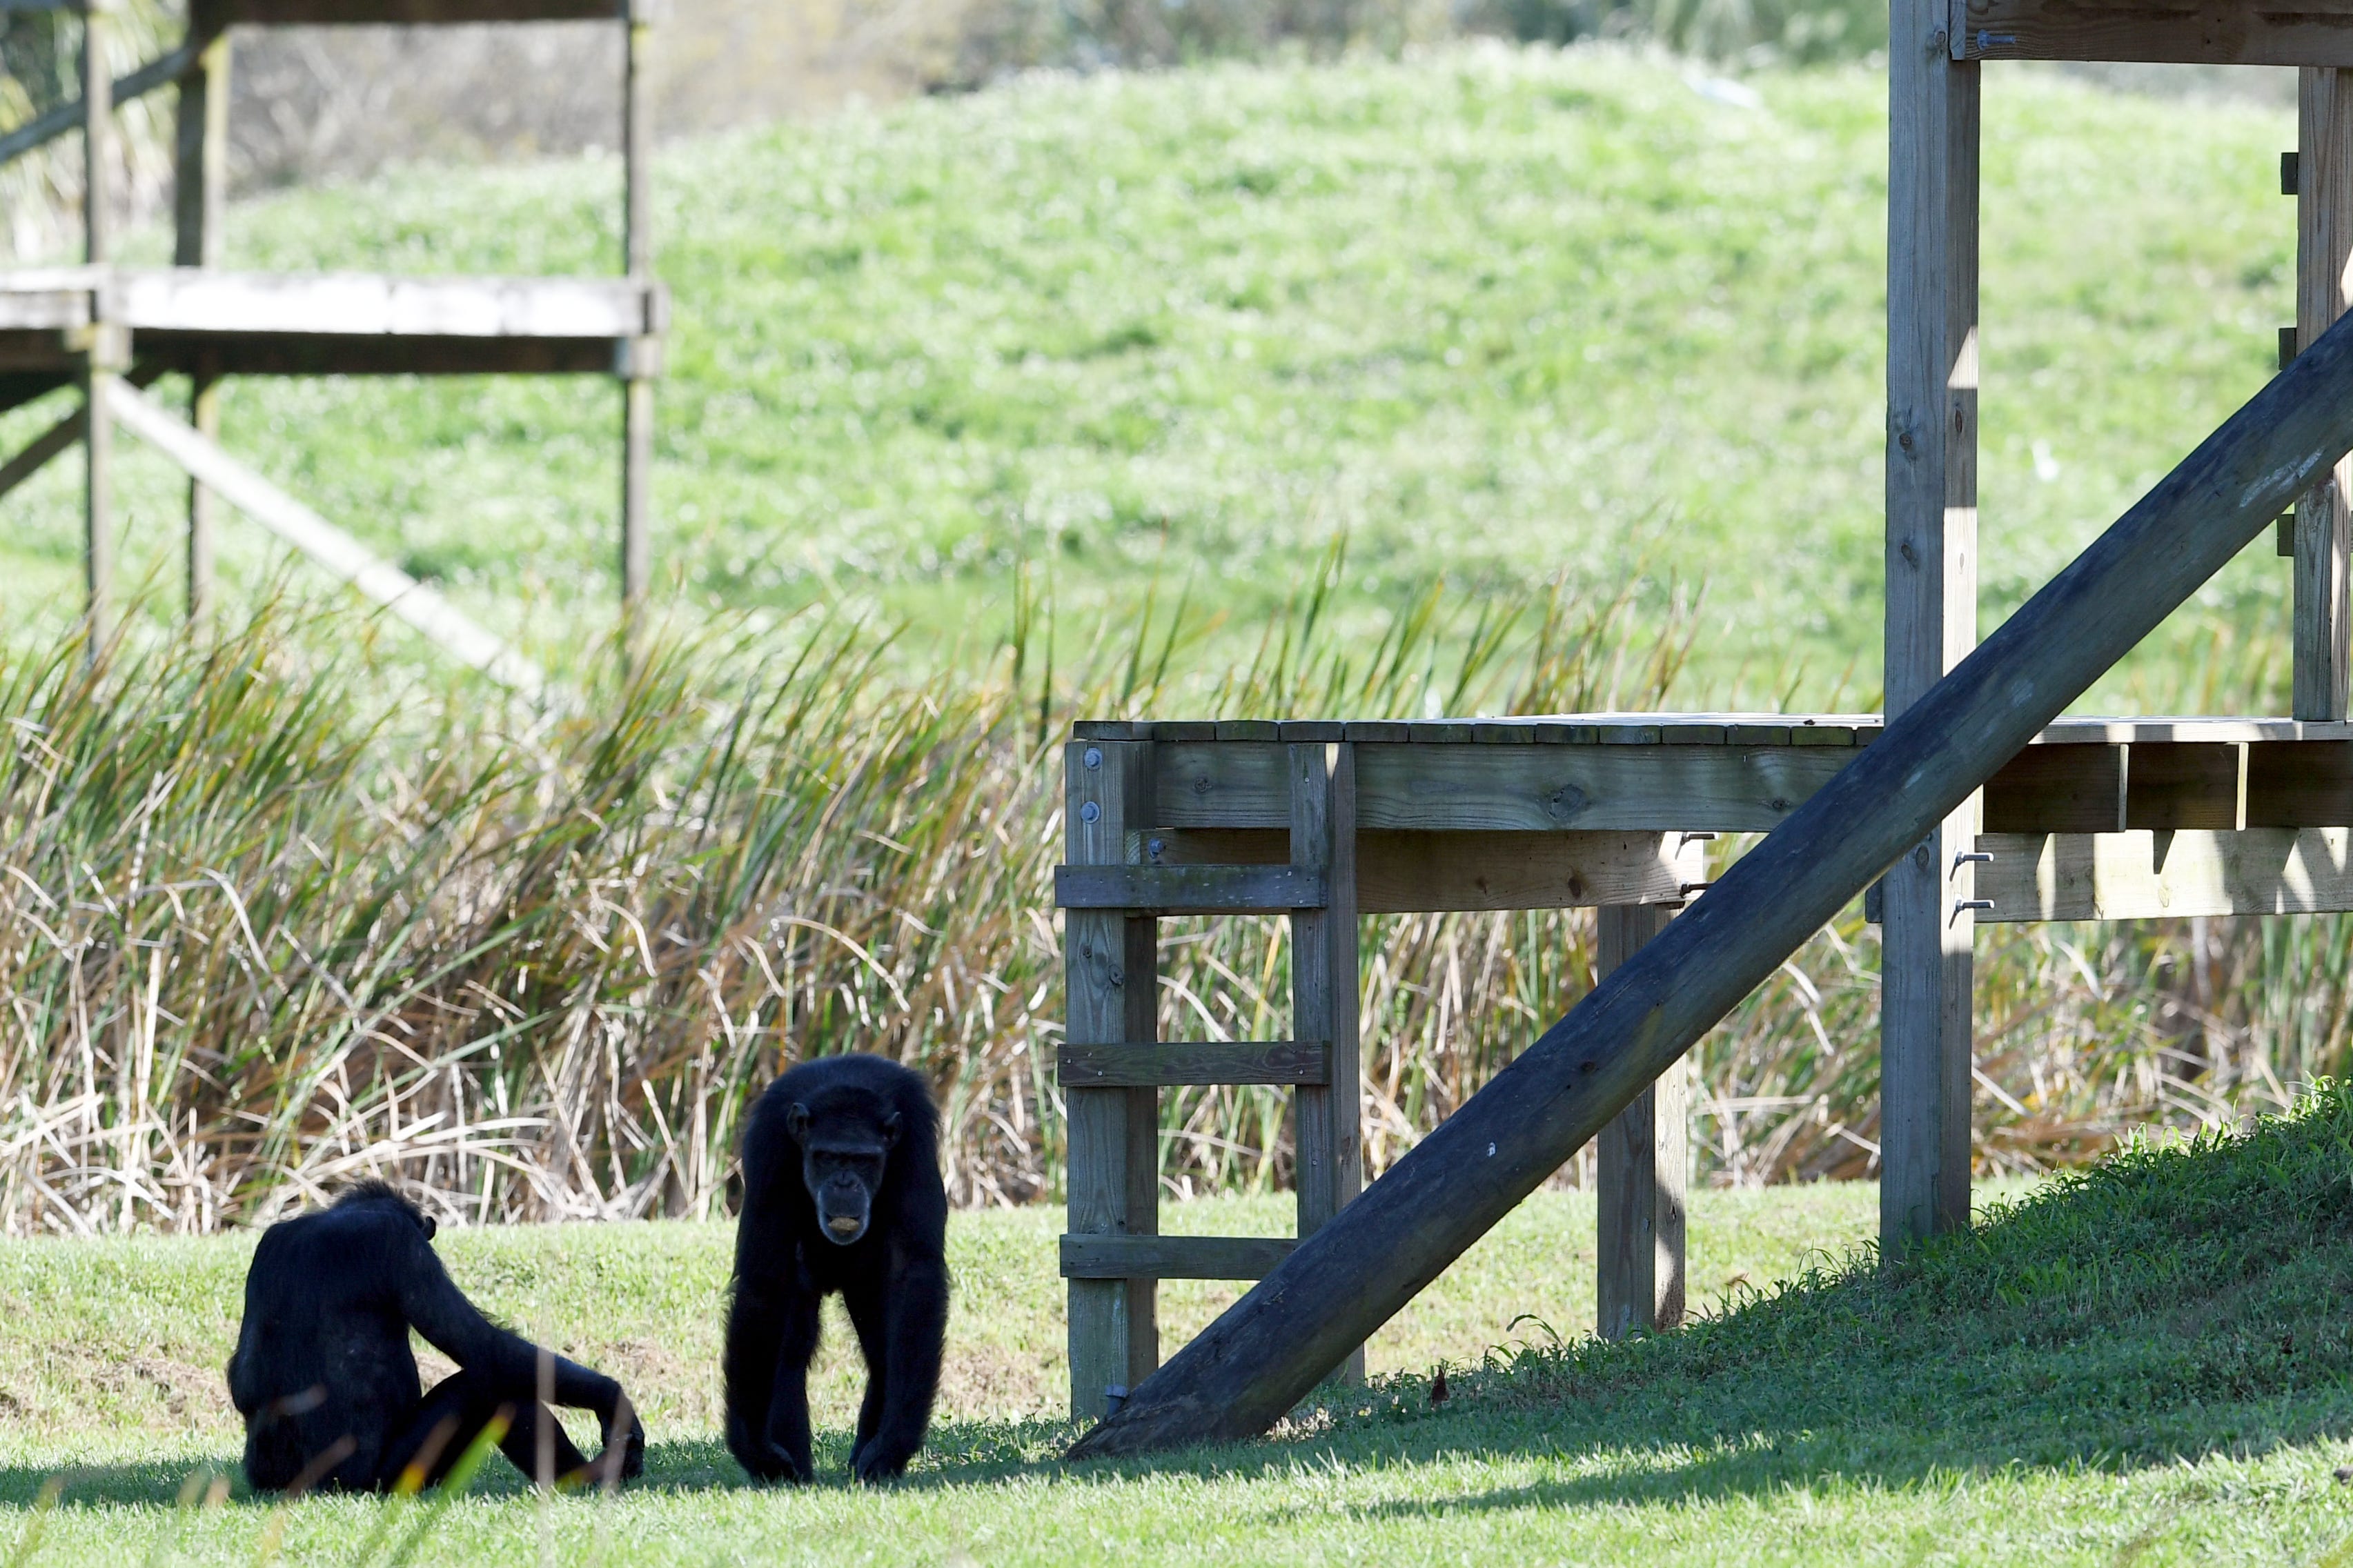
x: 875, y: 1460
x: 632, y: 1439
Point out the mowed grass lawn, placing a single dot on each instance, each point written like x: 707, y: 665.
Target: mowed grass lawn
x: 1495, y: 313
x: 2150, y: 1371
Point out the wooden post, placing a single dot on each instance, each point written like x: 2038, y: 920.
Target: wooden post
x: 200, y: 195
x: 1642, y: 1165
x: 1111, y: 980
x: 1323, y: 989
x: 2323, y: 245
x: 1342, y: 1282
x: 104, y: 356
x: 637, y: 241
x: 1932, y: 427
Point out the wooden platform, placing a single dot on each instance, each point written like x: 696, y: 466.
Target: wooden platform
x: 2098, y: 817
x: 349, y: 323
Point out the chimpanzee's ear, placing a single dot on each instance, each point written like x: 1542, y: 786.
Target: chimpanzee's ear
x: 796, y: 1122
x: 891, y: 1131
x: 432, y: 1226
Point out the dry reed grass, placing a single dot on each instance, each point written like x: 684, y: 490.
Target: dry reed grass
x: 271, y: 920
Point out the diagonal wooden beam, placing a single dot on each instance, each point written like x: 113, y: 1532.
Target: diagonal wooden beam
x: 441, y: 621
x: 44, y: 128
x: 62, y: 437
x: 1342, y: 1282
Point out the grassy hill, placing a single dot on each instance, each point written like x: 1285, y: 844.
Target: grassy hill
x: 2144, y: 1364
x: 1494, y: 313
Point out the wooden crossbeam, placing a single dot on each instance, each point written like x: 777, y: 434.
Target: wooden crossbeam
x: 1190, y: 890
x: 2151, y: 875
x: 1424, y: 872
x: 1190, y: 1063
x: 63, y: 436
x: 2184, y: 32
x: 1172, y: 1257
x: 423, y: 12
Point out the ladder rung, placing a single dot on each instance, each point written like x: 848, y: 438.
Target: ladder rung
x: 1172, y: 1257
x: 1190, y: 890
x: 1192, y: 1062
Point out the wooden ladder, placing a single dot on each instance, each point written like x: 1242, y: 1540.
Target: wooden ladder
x: 1114, y: 1064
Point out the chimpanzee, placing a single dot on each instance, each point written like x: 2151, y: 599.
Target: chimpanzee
x: 328, y: 1386
x: 841, y: 1191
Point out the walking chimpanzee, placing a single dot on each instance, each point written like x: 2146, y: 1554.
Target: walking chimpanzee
x: 328, y: 1386
x: 841, y: 1191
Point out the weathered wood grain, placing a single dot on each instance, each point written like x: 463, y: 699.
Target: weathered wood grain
x: 1642, y: 1165
x: 2324, y: 527
x: 1189, y: 1062
x: 1149, y: 1257
x: 1931, y: 614
x: 1108, y: 967
x: 2143, y: 876
x: 2058, y: 789
x: 2191, y: 786
x: 1424, y: 872
x: 2300, y: 784
x: 2182, y: 32
x: 1327, y: 1117
x: 1342, y: 1282
x: 1191, y: 890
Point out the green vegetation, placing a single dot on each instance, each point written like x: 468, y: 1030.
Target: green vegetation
x: 2147, y: 1362
x: 1494, y: 313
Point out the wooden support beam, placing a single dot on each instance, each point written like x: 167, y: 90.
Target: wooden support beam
x: 1641, y: 1166
x: 1508, y: 788
x: 1110, y: 969
x: 1424, y: 872
x: 200, y: 141
x: 2324, y: 247
x: 2300, y: 784
x: 1191, y: 890
x: 66, y: 118
x: 2180, y: 32
x: 327, y: 545
x: 638, y: 261
x: 1327, y: 1117
x: 1149, y: 1257
x: 1931, y: 576
x: 2148, y: 876
x: 1344, y: 1282
x: 421, y: 13
x: 1173, y: 1063
x: 102, y: 367
x: 2059, y: 789
x: 64, y: 436
x: 2185, y: 785
x: 204, y: 506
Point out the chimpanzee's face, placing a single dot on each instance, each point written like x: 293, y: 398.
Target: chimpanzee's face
x: 843, y: 1155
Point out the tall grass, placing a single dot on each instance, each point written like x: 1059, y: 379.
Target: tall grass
x: 274, y: 914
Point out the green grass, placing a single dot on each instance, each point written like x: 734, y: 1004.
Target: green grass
x: 2147, y: 1363
x: 1498, y: 313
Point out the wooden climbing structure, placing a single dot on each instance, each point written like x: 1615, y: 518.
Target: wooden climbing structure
x: 112, y: 330
x: 1972, y: 801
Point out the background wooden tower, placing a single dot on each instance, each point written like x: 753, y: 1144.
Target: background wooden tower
x: 113, y: 330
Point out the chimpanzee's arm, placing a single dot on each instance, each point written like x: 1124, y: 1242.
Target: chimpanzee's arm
x: 437, y: 1310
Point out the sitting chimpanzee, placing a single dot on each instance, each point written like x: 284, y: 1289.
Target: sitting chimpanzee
x: 328, y: 1386
x: 841, y: 1191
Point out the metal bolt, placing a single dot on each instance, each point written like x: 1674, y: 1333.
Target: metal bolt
x: 1090, y: 812
x: 1157, y: 848
x: 1114, y: 1396
x: 1971, y: 858
x: 1962, y: 906
x: 1093, y: 759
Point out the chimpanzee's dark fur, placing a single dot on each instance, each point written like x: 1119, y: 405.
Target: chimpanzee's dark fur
x: 833, y: 1140
x: 329, y: 1389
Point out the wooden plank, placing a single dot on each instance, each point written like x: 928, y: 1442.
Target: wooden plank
x: 1268, y: 1349
x: 200, y: 141
x: 2180, y: 785
x: 2182, y: 32
x: 1327, y: 1117
x: 362, y: 304
x: 325, y: 353
x: 1109, y: 983
x: 1086, y: 1258
x: 66, y: 118
x: 203, y: 506
x: 1642, y: 1165
x: 2300, y: 784
x: 1931, y: 616
x: 2143, y: 875
x: 2058, y: 789
x: 1423, y: 872
x: 417, y: 13
x: 2324, y: 527
x: 1195, y: 1062
x: 1190, y: 890
x: 329, y: 546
